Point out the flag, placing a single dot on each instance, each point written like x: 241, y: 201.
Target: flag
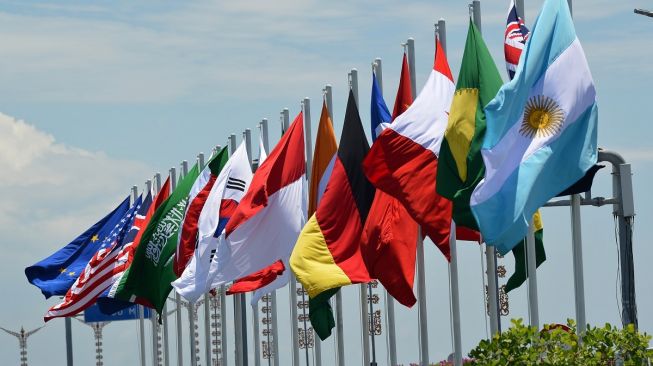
x: 404, y: 97
x: 258, y: 279
x: 107, y: 302
x: 403, y: 160
x: 514, y: 39
x: 55, y: 274
x: 519, y: 253
x: 460, y: 161
x: 379, y: 114
x: 541, y: 135
x: 152, y: 270
x: 324, y: 158
x: 265, y: 225
x: 197, y: 197
x: 229, y: 188
x: 389, y: 241
x: 98, y: 273
x: 327, y: 253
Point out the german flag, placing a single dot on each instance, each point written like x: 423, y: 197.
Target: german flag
x: 327, y: 254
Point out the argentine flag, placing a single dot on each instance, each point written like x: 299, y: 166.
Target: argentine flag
x: 541, y: 130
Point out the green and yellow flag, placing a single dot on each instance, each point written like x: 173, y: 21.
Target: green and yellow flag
x: 460, y: 164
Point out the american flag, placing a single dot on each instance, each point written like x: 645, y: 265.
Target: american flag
x: 515, y: 38
x: 105, y: 266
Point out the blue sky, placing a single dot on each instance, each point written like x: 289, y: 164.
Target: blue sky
x: 96, y: 96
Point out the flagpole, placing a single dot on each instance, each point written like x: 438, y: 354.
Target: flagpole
x: 421, y: 276
x: 192, y: 312
x: 257, y: 337
x: 184, y: 171
x: 490, y: 252
x: 534, y: 313
x: 141, y: 311
x: 247, y: 137
x: 275, y: 331
x: 308, y: 143
x: 155, y: 333
x: 353, y: 80
x: 389, y: 301
x: 238, y: 331
x: 340, y: 340
x: 164, y: 315
x: 292, y: 286
x: 441, y: 34
x: 69, y: 341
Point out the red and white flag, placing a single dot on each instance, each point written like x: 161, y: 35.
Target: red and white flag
x: 267, y: 221
x: 403, y: 160
x: 515, y: 38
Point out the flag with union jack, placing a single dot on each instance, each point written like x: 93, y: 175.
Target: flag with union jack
x: 515, y: 38
x: 100, y: 272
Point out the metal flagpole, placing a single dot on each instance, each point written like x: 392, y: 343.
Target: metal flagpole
x: 490, y: 252
x: 156, y: 352
x: 353, y: 80
x: 340, y: 340
x: 180, y: 347
x: 141, y: 310
x: 257, y: 337
x: 308, y: 143
x: 441, y: 33
x: 69, y: 341
x: 292, y: 293
x: 247, y: 137
x: 304, y: 338
x: 534, y: 312
x: 421, y: 276
x: 389, y: 301
x: 223, y: 324
x: 207, y: 300
x: 274, y: 346
x: 577, y: 250
x: 238, y: 331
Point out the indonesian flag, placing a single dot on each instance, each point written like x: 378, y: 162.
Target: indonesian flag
x: 270, y: 216
x: 403, y: 161
x: 229, y: 188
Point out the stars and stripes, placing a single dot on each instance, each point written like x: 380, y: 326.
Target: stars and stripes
x: 105, y: 266
x: 515, y: 38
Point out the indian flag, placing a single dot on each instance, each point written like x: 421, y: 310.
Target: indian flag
x: 541, y: 130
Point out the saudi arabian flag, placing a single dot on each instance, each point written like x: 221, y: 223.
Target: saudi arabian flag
x: 152, y: 270
x: 460, y: 164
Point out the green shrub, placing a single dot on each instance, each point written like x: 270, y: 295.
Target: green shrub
x: 559, y: 345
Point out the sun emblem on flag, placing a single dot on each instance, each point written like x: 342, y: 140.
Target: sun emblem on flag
x: 543, y: 117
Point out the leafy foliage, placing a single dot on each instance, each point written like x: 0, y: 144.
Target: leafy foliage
x: 559, y: 345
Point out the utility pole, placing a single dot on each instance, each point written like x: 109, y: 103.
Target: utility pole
x: 22, y: 341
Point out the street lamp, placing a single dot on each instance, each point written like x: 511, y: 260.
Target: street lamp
x: 648, y: 13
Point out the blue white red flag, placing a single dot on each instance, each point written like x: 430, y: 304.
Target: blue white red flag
x: 515, y: 38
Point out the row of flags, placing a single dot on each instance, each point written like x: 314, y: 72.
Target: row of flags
x: 478, y: 152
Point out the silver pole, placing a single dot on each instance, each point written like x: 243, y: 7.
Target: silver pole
x: 421, y: 276
x: 577, y: 250
x: 238, y: 332
x: 340, y: 340
x: 353, y: 79
x: 247, y: 136
x: 153, y: 320
x: 69, y: 341
x: 521, y: 12
x: 490, y: 252
x: 389, y: 301
x: 455, y: 298
x: 571, y: 6
x: 532, y: 277
x: 308, y: 139
x: 274, y: 347
x: 207, y: 300
x: 328, y: 89
x: 141, y: 311
x: 442, y: 33
x: 223, y: 325
x: 164, y: 315
x: 180, y: 347
x: 193, y: 339
x: 257, y: 336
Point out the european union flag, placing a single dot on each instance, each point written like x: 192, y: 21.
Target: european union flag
x: 379, y: 114
x: 55, y: 274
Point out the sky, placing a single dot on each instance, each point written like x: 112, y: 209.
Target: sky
x: 97, y: 96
